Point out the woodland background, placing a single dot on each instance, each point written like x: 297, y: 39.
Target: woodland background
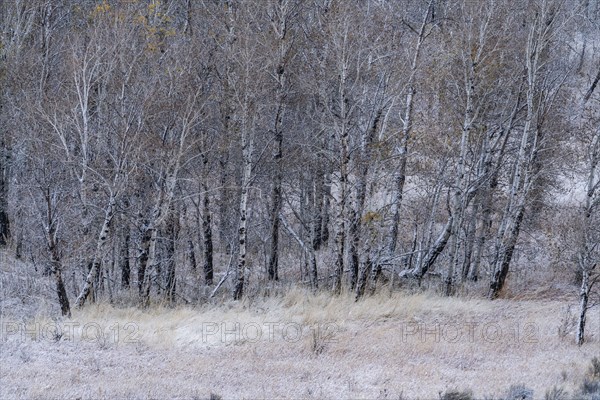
x: 167, y: 150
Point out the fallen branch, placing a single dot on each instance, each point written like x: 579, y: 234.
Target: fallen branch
x: 223, y: 279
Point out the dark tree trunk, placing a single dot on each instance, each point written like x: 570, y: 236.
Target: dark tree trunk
x: 172, y: 234
x: 55, y: 263
x: 326, y: 202
x: 208, y: 239
x: 63, y: 300
x: 273, y: 268
x: 192, y: 255
x: 317, y: 219
x: 4, y: 172
x: 505, y: 257
x: 124, y: 259
x: 354, y: 233
x: 143, y: 259
x: 363, y: 278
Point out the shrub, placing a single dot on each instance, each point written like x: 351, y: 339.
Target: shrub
x: 590, y: 389
x: 594, y: 370
x: 457, y: 395
x: 557, y: 393
x: 519, y: 392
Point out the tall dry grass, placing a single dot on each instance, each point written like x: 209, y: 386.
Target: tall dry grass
x: 311, y: 346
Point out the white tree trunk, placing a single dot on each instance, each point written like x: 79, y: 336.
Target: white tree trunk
x: 97, y: 261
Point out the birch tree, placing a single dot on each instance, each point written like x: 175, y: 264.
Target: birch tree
x: 540, y: 92
x: 589, y: 253
x: 282, y: 15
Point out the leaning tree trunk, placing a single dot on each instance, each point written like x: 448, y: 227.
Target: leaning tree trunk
x: 510, y: 226
x: 491, y: 169
x: 460, y: 199
x: 309, y: 251
x: 505, y: 255
x: 524, y: 174
x: 584, y: 294
x: 97, y: 261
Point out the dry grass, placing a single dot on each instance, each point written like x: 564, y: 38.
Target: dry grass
x: 322, y: 347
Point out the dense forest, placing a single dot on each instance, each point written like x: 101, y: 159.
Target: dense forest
x: 173, y: 150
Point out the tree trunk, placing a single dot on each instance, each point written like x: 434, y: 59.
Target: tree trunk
x: 150, y: 262
x: 170, y: 256
x: 359, y: 274
x: 207, y: 238
x: 363, y: 278
x: 402, y: 149
x: 482, y: 231
x: 308, y: 251
x: 318, y: 205
x: 124, y: 257
x: 63, y: 300
x: 343, y: 135
x: 583, y: 305
x: 505, y: 257
x: 323, y: 220
x: 55, y: 262
x: 460, y: 198
x: 435, y: 250
x: 280, y: 24
x: 242, y: 238
x: 247, y: 149
x: 490, y: 168
x: 340, y: 237
x: 225, y: 235
x: 192, y: 255
x: 589, y: 242
x: 97, y: 261
x: 400, y: 174
x: 4, y: 178
x: 143, y: 257
x: 510, y: 225
x: 354, y: 233
x: 276, y: 209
